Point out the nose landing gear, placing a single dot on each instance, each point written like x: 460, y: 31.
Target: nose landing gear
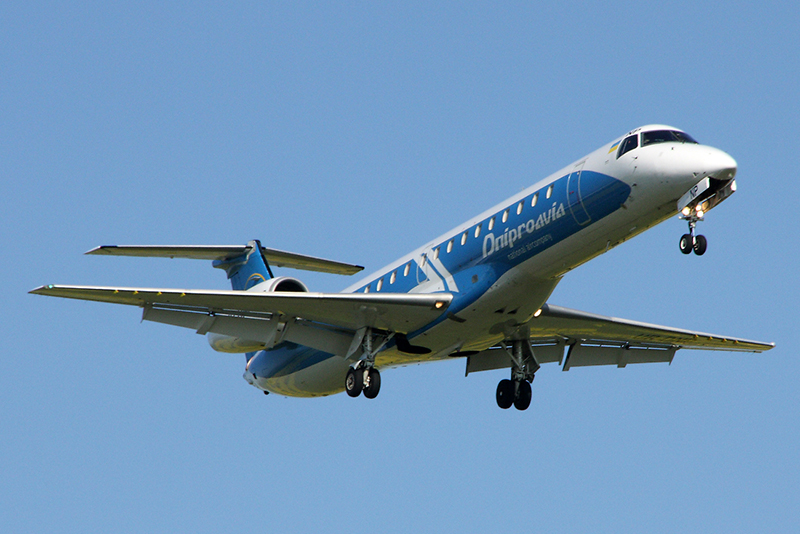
x: 690, y: 241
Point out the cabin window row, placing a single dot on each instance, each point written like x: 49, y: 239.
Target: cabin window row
x: 464, y: 235
x: 392, y: 278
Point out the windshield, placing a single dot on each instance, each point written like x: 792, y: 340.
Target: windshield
x: 628, y: 144
x: 666, y: 136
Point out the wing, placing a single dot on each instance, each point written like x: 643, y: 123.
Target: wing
x: 599, y: 340
x: 327, y: 321
x: 395, y: 312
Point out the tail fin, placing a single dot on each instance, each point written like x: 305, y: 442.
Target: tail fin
x: 248, y: 269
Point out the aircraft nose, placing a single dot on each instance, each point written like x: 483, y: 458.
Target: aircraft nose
x: 692, y: 163
x: 719, y: 164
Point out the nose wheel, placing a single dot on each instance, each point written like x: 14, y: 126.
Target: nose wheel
x: 690, y: 242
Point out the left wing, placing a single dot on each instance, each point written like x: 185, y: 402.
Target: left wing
x: 320, y: 320
x: 593, y: 339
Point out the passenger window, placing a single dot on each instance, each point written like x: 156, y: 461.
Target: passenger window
x: 380, y: 285
x: 628, y: 144
x: 463, y: 238
x: 535, y: 199
x: 393, y: 277
x: 408, y: 268
x: 436, y: 253
x: 549, y: 191
x: 478, y: 230
x: 519, y: 206
x: 450, y: 246
x: 366, y: 289
x: 505, y: 216
x: 491, y: 224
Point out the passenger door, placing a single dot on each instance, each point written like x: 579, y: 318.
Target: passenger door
x: 574, y: 199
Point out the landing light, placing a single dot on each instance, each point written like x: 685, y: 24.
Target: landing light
x: 733, y: 185
x: 700, y: 213
x: 538, y: 313
x: 439, y: 304
x: 686, y: 211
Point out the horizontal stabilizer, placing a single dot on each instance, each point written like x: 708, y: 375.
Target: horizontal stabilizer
x: 277, y: 258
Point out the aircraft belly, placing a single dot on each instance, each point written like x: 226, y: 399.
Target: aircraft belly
x: 299, y: 373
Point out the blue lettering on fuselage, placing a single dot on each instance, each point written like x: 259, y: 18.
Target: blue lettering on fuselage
x: 511, y: 236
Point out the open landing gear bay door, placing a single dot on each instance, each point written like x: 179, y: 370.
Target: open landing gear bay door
x: 591, y: 339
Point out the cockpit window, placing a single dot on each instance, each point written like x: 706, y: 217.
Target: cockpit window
x: 666, y: 136
x: 628, y: 144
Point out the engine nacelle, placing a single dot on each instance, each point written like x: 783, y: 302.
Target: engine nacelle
x: 267, y: 331
x: 281, y: 283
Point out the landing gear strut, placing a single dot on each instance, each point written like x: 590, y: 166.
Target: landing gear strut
x: 517, y: 390
x: 689, y: 241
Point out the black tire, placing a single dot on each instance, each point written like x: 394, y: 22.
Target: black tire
x: 700, y: 245
x: 354, y: 382
x: 686, y: 243
x: 371, y: 391
x: 505, y: 394
x: 524, y: 395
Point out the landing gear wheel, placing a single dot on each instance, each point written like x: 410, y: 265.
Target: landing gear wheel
x: 354, y: 382
x: 505, y: 394
x: 523, y: 398
x: 372, y: 389
x: 700, y: 245
x: 686, y: 243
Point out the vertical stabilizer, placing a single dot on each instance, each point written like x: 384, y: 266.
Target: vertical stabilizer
x: 247, y: 270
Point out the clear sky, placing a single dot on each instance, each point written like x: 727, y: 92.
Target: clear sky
x: 358, y: 133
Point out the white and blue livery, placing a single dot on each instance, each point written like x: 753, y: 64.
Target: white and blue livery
x: 479, y: 292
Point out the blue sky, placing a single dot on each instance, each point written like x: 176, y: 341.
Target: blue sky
x: 358, y: 132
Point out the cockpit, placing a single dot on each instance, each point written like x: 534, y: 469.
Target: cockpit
x: 653, y: 137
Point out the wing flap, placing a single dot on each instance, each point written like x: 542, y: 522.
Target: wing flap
x: 396, y: 312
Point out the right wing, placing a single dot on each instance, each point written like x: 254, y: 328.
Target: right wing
x: 593, y: 339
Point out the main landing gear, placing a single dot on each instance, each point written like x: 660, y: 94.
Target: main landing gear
x: 690, y: 242
x: 516, y: 391
x: 363, y: 378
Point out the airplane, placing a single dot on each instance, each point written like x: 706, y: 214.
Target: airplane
x: 478, y: 292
